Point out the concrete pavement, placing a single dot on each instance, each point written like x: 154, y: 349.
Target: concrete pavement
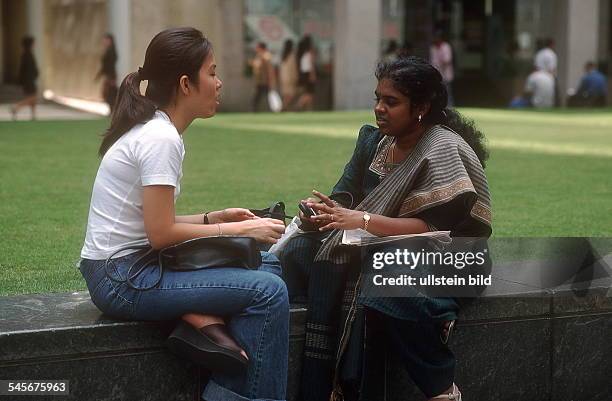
x: 46, y: 111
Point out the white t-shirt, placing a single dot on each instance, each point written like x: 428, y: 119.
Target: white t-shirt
x: 306, y: 62
x: 546, y: 60
x: 148, y: 154
x: 541, y: 85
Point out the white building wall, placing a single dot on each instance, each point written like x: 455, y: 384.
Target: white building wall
x: 356, y: 52
x: 119, y: 24
x: 583, y: 37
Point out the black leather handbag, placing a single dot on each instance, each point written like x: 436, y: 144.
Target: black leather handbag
x: 209, y: 252
x: 194, y: 254
x: 198, y: 253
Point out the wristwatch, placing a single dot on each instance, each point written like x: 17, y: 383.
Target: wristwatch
x: 366, y: 220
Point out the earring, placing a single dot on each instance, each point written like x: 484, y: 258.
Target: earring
x: 420, y: 117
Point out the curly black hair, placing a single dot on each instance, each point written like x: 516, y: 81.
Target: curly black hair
x: 423, y: 84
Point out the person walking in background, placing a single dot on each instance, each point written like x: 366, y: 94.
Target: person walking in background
x: 108, y: 71
x: 28, y: 73
x: 441, y: 57
x: 263, y: 72
x: 308, y: 74
x: 593, y: 89
x: 288, y: 74
x: 546, y: 60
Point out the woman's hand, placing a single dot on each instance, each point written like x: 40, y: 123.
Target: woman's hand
x: 308, y: 223
x: 263, y: 230
x: 301, y: 214
x: 230, y: 215
x: 333, y: 216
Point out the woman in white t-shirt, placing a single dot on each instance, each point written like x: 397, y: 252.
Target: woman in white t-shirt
x: 308, y: 73
x: 232, y: 320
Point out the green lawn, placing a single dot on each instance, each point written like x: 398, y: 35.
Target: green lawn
x: 550, y: 174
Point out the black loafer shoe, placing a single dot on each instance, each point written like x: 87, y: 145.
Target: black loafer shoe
x: 211, y: 347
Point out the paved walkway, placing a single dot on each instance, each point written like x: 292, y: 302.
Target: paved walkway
x: 46, y: 111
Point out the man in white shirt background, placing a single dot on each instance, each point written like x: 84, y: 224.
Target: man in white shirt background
x: 540, y: 89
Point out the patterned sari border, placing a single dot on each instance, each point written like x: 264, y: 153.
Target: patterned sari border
x: 482, y: 212
x: 425, y: 200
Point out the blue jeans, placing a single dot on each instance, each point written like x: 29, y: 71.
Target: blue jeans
x: 254, y: 303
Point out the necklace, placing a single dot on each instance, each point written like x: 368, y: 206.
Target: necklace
x: 390, y: 162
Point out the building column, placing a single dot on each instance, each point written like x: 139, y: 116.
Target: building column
x: 1, y: 45
x: 358, y: 30
x: 578, y: 40
x: 119, y: 24
x: 36, y: 28
x: 237, y: 89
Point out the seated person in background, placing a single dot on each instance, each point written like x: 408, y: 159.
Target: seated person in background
x: 539, y: 91
x: 593, y: 89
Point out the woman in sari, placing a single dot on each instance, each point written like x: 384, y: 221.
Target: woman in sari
x: 421, y: 170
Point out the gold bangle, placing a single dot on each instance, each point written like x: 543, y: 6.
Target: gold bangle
x: 219, y: 227
x: 366, y: 220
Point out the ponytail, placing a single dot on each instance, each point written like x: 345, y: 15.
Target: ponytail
x: 131, y: 108
x: 171, y: 54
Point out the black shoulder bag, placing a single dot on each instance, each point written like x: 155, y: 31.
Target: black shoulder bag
x: 194, y: 254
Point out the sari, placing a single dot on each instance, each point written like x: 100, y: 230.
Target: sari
x: 442, y: 182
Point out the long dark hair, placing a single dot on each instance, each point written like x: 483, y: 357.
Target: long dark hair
x: 171, y: 54
x: 422, y: 84
x: 287, y: 48
x: 304, y: 45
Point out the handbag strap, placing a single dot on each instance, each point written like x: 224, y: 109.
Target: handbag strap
x: 143, y: 260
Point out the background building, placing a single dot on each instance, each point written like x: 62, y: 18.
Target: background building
x: 494, y: 41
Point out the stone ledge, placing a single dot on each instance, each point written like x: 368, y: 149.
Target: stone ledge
x: 48, y: 325
x: 507, y: 349
x: 64, y: 336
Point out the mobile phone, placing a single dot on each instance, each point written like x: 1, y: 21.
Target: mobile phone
x: 307, y: 210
